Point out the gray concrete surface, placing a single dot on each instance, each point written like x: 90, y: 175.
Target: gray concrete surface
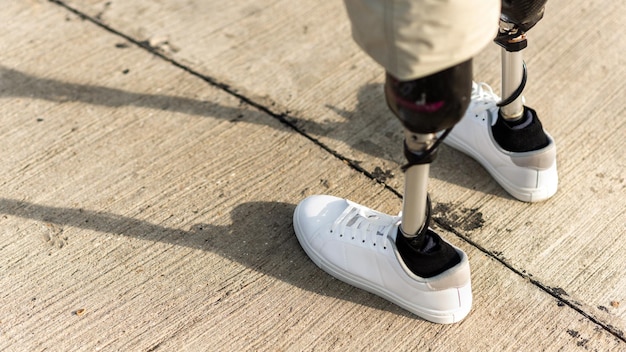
x: 153, y: 153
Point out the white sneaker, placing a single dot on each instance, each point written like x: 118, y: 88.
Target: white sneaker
x: 357, y: 245
x: 528, y: 176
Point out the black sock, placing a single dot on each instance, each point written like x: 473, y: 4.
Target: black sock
x: 426, y: 255
x: 522, y: 135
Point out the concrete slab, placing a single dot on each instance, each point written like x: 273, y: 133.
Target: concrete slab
x: 143, y: 208
x: 298, y: 60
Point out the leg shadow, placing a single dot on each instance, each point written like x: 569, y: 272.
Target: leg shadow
x: 261, y: 238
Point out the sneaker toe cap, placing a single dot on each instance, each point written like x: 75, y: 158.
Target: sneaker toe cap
x: 316, y: 212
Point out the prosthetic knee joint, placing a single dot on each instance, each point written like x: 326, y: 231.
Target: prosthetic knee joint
x: 428, y: 107
x: 517, y: 17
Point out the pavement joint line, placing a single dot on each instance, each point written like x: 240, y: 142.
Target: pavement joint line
x: 282, y: 118
x: 547, y: 289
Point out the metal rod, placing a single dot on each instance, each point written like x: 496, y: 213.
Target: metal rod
x: 414, y: 203
x: 414, y: 207
x: 512, y: 73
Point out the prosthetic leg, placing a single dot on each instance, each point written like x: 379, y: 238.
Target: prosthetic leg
x: 399, y: 258
x: 428, y: 108
x: 516, y: 19
x: 503, y: 135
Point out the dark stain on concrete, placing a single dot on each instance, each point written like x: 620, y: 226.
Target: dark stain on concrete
x: 381, y: 175
x: 458, y: 217
x: 557, y: 291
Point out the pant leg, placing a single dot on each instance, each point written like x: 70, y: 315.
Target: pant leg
x: 415, y: 38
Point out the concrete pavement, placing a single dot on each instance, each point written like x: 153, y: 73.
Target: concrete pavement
x: 153, y: 153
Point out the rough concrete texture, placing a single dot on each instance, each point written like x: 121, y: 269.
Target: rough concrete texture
x: 153, y: 153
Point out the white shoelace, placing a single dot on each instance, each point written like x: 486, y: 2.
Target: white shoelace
x: 365, y: 226
x: 483, y: 98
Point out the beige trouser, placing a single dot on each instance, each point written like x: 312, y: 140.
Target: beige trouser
x: 416, y: 38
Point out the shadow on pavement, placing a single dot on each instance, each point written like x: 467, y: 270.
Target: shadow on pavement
x: 261, y: 238
x: 19, y: 84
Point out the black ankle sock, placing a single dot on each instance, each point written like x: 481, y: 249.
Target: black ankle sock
x: 427, y: 254
x: 522, y: 135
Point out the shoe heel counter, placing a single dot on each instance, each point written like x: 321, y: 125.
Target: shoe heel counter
x: 538, y: 160
x: 456, y: 277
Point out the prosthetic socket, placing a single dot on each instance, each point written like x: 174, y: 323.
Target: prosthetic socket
x: 426, y: 107
x: 522, y: 14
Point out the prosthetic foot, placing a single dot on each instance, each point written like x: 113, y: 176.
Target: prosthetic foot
x: 399, y: 258
x: 505, y: 136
